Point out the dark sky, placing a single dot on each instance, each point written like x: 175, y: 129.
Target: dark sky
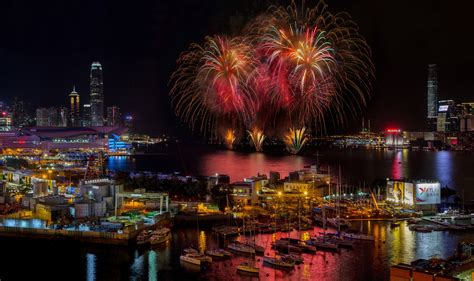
x: 47, y: 46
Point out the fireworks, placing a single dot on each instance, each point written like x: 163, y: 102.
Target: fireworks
x: 257, y: 137
x: 229, y: 138
x: 295, y: 67
x: 295, y: 139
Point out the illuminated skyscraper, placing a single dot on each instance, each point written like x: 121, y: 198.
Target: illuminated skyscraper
x: 97, y: 96
x: 75, y: 109
x: 432, y: 99
x: 42, y: 117
x: 113, y: 116
x: 86, y: 115
x: 62, y: 117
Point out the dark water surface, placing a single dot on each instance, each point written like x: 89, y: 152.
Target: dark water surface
x: 451, y: 168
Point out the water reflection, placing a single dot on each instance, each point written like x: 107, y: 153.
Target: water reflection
x: 357, y: 165
x: 91, y: 260
x: 366, y: 261
x: 443, y: 164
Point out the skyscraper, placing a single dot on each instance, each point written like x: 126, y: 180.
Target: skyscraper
x: 42, y: 117
x: 432, y: 99
x: 75, y: 109
x: 97, y: 97
x: 113, y: 116
x: 62, y: 117
x: 86, y: 115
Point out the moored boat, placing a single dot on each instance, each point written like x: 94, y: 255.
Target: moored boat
x: 279, y: 262
x: 246, y: 267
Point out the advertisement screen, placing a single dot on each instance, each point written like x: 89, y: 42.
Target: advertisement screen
x: 443, y: 108
x: 428, y: 193
x: 400, y: 192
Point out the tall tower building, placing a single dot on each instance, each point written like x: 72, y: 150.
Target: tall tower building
x: 62, y: 117
x: 75, y: 109
x: 432, y: 99
x: 113, y: 116
x: 97, y: 96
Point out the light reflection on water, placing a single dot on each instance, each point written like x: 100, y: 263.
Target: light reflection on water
x: 449, y: 167
x: 367, y: 261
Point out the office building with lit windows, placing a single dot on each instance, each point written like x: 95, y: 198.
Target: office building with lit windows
x: 97, y: 95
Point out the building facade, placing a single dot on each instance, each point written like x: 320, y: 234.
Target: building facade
x: 97, y: 96
x: 432, y: 97
x: 114, y: 117
x: 42, y: 117
x: 75, y: 109
x: 86, y: 115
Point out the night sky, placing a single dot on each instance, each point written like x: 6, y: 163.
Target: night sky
x: 47, y: 46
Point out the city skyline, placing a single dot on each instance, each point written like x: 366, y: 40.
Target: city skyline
x: 141, y: 71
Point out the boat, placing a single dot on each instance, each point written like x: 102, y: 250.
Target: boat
x: 322, y: 244
x: 241, y: 248
x: 190, y: 251
x: 298, y: 259
x: 258, y: 249
x: 218, y: 253
x: 246, y: 267
x: 143, y: 238
x: 394, y: 224
x: 357, y: 236
x: 339, y: 241
x: 160, y: 236
x: 196, y: 259
x: 278, y: 262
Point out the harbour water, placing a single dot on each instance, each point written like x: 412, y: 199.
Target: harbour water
x: 357, y: 165
x: 61, y: 260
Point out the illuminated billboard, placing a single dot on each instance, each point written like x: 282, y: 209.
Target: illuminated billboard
x: 400, y: 192
x: 428, y: 193
x: 443, y: 108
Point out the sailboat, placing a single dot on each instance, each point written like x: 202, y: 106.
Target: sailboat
x: 249, y: 267
x: 192, y: 256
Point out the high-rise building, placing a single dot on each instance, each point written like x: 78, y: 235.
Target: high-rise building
x: 53, y: 117
x: 114, y: 117
x: 97, y: 97
x: 62, y: 117
x: 448, y: 117
x: 20, y: 116
x: 432, y: 105
x: 5, y: 117
x: 75, y: 109
x: 86, y: 115
x: 42, y: 117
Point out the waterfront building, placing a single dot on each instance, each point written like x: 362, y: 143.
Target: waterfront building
x: 86, y: 115
x: 432, y: 97
x: 42, y: 117
x: 97, y: 95
x: 466, y: 117
x: 114, y: 118
x: 394, y: 138
x: 75, y: 109
x: 448, y: 119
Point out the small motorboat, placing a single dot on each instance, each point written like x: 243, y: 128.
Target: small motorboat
x: 246, y: 267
